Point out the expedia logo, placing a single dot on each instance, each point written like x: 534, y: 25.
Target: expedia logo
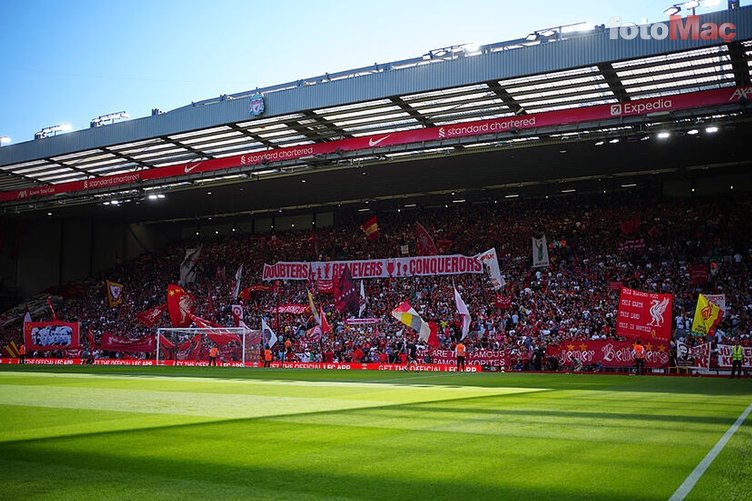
x: 615, y: 110
x: 741, y: 93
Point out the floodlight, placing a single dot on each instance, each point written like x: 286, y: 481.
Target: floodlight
x: 692, y: 132
x: 53, y: 130
x: 664, y: 135
x: 711, y: 130
x: 108, y: 118
x: 673, y: 10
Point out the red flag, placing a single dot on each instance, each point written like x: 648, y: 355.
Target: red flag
x: 325, y: 327
x: 371, y: 228
x: 203, y: 323
x: 210, y: 309
x: 92, y: 340
x: 54, y: 315
x: 237, y: 314
x: 180, y: 305
x: 503, y: 301
x: 433, y: 337
x: 615, y: 285
x: 424, y: 245
x: 630, y: 226
x: 151, y: 316
x: 245, y: 294
x: 698, y: 274
x: 345, y: 293
x: 644, y: 315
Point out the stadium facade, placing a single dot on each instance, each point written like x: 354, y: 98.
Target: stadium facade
x: 556, y: 113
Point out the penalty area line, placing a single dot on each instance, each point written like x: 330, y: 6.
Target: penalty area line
x: 689, y: 483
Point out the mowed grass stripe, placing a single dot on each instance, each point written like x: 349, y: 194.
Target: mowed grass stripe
x: 585, y: 438
x: 336, y: 460
x: 212, y: 399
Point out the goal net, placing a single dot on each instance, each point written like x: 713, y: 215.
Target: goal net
x: 234, y: 344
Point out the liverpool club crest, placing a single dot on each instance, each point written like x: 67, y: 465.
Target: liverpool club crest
x: 257, y: 104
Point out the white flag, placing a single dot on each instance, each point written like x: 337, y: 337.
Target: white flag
x: 490, y: 262
x: 362, y: 301
x: 464, y: 312
x: 238, y: 278
x: 189, y: 266
x: 268, y: 335
x: 540, y: 252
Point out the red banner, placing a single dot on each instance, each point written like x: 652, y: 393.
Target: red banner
x: 424, y: 244
x: 638, y: 107
x: 644, y: 315
x: 698, y: 274
x: 609, y: 354
x: 111, y: 342
x: 48, y: 336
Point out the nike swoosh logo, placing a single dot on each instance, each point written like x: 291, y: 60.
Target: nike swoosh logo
x: 189, y: 168
x: 374, y: 142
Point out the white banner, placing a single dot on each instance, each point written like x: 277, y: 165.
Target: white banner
x: 401, y: 267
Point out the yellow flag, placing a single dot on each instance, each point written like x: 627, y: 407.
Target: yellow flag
x: 707, y: 317
x: 114, y: 293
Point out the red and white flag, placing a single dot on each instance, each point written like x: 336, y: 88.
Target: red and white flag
x: 237, y: 314
x: 464, y: 313
x: 490, y: 262
x: 238, y: 278
x: 151, y: 316
x: 180, y: 305
x: 644, y: 315
x: 362, y: 301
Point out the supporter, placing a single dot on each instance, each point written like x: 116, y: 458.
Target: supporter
x: 569, y: 301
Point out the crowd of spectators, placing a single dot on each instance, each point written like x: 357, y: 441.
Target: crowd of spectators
x: 644, y: 242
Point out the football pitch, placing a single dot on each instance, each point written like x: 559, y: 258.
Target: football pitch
x: 73, y: 433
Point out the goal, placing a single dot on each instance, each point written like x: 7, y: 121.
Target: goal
x: 235, y: 344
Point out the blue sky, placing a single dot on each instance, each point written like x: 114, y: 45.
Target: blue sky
x: 70, y: 61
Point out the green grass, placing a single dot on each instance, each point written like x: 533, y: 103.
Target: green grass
x: 219, y: 433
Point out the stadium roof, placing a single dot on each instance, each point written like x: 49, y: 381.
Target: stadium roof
x: 551, y: 71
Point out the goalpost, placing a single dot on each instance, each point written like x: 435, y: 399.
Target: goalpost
x: 235, y: 344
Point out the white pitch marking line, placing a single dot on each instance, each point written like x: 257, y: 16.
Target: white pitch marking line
x: 689, y: 483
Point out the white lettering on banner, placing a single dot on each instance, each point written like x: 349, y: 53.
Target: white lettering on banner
x: 487, y: 127
x: 374, y: 268
x: 676, y: 29
x: 641, y: 107
x: 274, y: 155
x: 741, y: 93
